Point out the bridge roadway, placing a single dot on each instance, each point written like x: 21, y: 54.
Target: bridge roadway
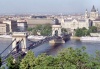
x: 36, y: 44
x: 20, y: 53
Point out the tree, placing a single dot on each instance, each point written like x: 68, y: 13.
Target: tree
x: 29, y: 29
x: 82, y: 32
x: 66, y: 59
x: 79, y: 32
x: 63, y: 30
x: 11, y: 63
x: 44, y: 61
x: 84, y: 28
x: 93, y: 29
x: 28, y: 61
x: 96, y: 60
x: 74, y: 59
x: 2, y: 68
x: 46, y: 30
x: 34, y: 31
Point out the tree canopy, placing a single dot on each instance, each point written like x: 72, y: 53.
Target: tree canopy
x: 68, y: 58
x: 93, y: 29
x: 42, y: 29
x: 28, y: 61
x: 85, y: 32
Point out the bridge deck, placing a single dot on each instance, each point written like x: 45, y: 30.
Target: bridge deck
x: 21, y: 54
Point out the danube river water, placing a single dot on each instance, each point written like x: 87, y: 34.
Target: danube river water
x: 91, y: 47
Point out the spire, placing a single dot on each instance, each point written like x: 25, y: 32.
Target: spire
x: 93, y: 9
x: 86, y: 10
x: 97, y: 9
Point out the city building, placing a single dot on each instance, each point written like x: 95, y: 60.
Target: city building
x: 34, y: 21
x: 96, y: 23
x: 12, y: 25
x: 95, y: 18
x: 73, y: 22
x: 4, y: 28
x: 94, y: 14
x: 22, y: 26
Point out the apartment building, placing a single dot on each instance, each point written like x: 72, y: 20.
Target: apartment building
x: 4, y: 28
x: 12, y: 25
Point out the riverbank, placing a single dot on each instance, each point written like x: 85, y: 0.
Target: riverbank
x: 29, y: 37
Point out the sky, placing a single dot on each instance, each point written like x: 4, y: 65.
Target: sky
x: 47, y: 6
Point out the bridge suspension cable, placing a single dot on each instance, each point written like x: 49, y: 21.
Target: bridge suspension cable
x: 13, y: 49
x: 7, y: 47
x: 37, y: 43
x: 3, y: 60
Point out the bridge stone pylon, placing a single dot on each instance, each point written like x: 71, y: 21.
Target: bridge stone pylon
x: 56, y: 30
x: 21, y: 39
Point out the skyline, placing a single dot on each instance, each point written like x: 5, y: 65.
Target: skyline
x: 47, y: 6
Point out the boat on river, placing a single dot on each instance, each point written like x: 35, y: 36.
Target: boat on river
x: 88, y: 38
x: 36, y: 37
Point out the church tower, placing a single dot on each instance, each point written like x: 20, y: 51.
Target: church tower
x: 86, y: 14
x: 93, y: 14
x: 97, y: 13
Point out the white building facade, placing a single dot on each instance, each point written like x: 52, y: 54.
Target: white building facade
x: 89, y: 19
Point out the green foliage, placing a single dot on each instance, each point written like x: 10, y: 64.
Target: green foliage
x: 78, y: 32
x: 12, y: 64
x: 34, y: 31
x: 28, y: 61
x: 44, y: 30
x: 29, y: 29
x: 47, y: 29
x: 85, y: 32
x: 93, y: 29
x: 46, y: 62
x: 68, y: 58
x: 63, y: 30
x: 73, y: 59
x: 2, y: 68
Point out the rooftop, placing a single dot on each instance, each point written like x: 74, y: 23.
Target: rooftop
x: 97, y: 19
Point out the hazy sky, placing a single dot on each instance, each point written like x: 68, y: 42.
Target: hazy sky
x: 47, y: 6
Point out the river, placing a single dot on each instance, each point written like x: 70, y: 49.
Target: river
x: 91, y: 47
